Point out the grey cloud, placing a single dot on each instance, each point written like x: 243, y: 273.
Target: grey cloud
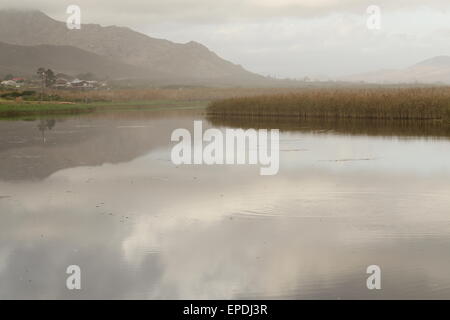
x: 202, y: 11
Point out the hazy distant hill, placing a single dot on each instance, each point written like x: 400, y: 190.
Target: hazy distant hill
x: 433, y: 70
x: 441, y: 61
x: 190, y: 62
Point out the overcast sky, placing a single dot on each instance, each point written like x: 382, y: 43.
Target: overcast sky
x: 284, y: 38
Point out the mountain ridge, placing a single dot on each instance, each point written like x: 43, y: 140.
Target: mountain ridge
x: 25, y: 60
x: 190, y: 62
x: 429, y: 71
x: 435, y: 61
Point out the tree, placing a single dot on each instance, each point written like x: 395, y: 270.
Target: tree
x: 50, y: 78
x: 47, y: 77
x: 9, y: 76
x: 42, y: 75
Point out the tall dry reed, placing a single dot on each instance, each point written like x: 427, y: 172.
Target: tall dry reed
x: 392, y: 104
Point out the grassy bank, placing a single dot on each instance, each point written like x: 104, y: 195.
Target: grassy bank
x: 379, y: 104
x: 18, y: 109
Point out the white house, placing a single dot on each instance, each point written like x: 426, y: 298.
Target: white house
x: 9, y: 83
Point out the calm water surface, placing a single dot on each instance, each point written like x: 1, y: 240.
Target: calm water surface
x: 100, y: 191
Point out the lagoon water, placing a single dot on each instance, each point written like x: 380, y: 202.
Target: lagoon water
x: 100, y: 191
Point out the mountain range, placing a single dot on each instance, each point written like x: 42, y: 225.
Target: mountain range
x: 434, y: 70
x: 31, y: 39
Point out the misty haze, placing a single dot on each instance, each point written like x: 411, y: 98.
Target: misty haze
x: 349, y: 101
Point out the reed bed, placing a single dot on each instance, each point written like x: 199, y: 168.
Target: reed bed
x: 380, y: 104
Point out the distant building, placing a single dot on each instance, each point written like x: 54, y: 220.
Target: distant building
x: 61, y: 83
x: 77, y: 83
x: 64, y: 83
x: 93, y: 84
x: 9, y: 83
x: 18, y: 80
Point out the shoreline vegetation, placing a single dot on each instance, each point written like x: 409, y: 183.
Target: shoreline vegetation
x: 393, y: 104
x: 236, y: 105
x: 19, y: 109
x: 27, y: 101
